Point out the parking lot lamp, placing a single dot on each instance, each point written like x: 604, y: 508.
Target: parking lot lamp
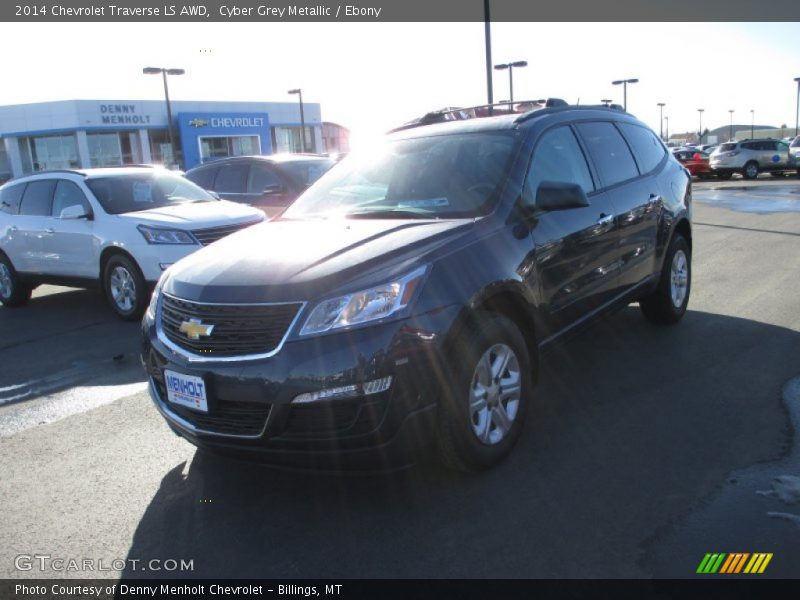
x: 730, y: 110
x: 510, y: 66
x: 752, y: 121
x: 164, y: 72
x: 299, y: 93
x: 624, y: 83
x: 797, y: 109
x: 666, y: 119
x: 606, y: 101
x: 700, y: 136
x: 661, y: 106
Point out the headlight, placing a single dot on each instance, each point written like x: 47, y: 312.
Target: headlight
x: 156, y: 235
x: 367, y: 305
x: 150, y: 314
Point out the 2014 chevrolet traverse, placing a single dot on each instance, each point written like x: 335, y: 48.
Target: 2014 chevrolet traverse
x: 406, y: 296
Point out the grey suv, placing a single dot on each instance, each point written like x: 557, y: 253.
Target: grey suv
x: 751, y: 157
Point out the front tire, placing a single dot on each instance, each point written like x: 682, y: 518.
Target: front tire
x: 667, y: 304
x: 482, y: 411
x: 13, y: 292
x: 125, y: 287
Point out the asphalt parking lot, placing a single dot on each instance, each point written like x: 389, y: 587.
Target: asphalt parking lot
x: 651, y: 446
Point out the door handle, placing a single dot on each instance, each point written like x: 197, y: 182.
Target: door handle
x: 653, y: 198
x: 50, y: 230
x: 605, y: 219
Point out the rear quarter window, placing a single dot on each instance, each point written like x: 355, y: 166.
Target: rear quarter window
x: 10, y: 197
x: 647, y: 149
x: 204, y: 177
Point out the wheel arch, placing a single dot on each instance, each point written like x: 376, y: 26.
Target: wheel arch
x: 510, y: 303
x: 684, y: 228
x: 110, y: 251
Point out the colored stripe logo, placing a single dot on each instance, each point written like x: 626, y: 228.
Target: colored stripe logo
x: 734, y: 563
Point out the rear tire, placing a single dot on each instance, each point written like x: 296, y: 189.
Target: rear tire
x: 482, y: 411
x: 125, y: 287
x: 667, y: 304
x: 750, y: 170
x: 13, y: 292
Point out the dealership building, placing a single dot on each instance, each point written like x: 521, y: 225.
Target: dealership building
x: 97, y: 133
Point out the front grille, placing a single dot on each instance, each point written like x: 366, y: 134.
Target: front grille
x: 231, y: 418
x: 212, y: 234
x: 239, y: 329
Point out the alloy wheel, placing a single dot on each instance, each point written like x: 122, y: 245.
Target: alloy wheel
x: 679, y: 278
x: 123, y: 288
x: 495, y: 393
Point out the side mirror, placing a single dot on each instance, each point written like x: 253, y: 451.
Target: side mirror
x: 560, y: 195
x: 76, y: 211
x: 275, y: 188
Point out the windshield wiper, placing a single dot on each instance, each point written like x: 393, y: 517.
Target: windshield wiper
x: 390, y: 214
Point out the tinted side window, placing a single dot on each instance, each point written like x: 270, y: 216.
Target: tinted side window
x: 558, y: 157
x: 261, y: 177
x: 751, y: 146
x: 609, y: 151
x: 10, y: 197
x: 68, y: 194
x: 770, y: 146
x: 231, y: 178
x: 647, y: 150
x: 203, y: 177
x: 38, y: 198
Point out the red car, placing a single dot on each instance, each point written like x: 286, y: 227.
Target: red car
x: 694, y: 160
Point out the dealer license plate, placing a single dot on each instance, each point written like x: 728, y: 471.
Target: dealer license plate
x: 186, y: 390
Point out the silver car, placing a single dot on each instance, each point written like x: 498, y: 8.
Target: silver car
x: 751, y: 157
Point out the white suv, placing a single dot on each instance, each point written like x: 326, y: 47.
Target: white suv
x: 120, y: 227
x: 750, y: 157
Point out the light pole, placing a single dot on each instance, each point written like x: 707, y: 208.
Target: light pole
x: 164, y: 73
x: 730, y: 110
x: 700, y: 112
x: 667, y: 120
x: 661, y: 106
x: 797, y: 110
x: 624, y: 83
x: 510, y: 67
x: 487, y: 32
x: 606, y: 101
x: 299, y: 93
x: 752, y: 121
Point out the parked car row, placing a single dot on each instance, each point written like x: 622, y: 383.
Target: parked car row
x: 748, y: 158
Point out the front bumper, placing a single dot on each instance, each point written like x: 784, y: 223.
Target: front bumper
x: 251, y: 408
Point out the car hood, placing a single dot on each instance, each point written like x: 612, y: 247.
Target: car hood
x: 195, y: 215
x: 285, y: 260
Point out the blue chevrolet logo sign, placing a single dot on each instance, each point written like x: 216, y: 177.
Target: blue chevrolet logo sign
x: 198, y: 122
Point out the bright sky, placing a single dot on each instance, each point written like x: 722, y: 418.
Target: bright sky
x: 372, y: 76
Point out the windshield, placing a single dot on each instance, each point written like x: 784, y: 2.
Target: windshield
x: 306, y: 172
x: 444, y: 176
x: 133, y: 192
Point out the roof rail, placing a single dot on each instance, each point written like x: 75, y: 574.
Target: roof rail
x: 526, y: 109
x: 480, y: 111
x: 48, y: 171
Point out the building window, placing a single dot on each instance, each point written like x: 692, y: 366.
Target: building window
x: 288, y: 139
x: 160, y: 149
x: 49, y: 152
x: 104, y: 149
x: 212, y: 147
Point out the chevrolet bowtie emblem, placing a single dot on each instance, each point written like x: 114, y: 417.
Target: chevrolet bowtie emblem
x: 194, y: 328
x: 198, y: 122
